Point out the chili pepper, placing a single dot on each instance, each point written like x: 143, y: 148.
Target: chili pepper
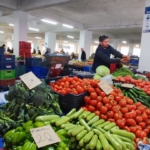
x: 39, y: 124
x: 18, y: 137
x: 27, y: 124
x: 8, y: 136
x: 29, y: 146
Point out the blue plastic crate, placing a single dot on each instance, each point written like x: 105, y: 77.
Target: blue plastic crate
x: 7, y: 66
x: 28, y: 69
x: 1, y: 142
x: 33, y: 61
x: 7, y: 58
x: 87, y: 68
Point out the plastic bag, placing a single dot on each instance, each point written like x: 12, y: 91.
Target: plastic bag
x: 108, y: 79
x: 2, y: 98
x: 142, y: 146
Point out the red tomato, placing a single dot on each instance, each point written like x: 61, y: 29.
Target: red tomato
x: 127, y: 128
x: 138, y: 104
x: 90, y: 89
x: 129, y: 101
x: 102, y: 116
x: 87, y: 99
x: 75, y: 92
x: 91, y: 108
x: 102, y: 94
x: 131, y: 122
x: 99, y: 98
x: 138, y: 127
x: 111, y: 97
x: 118, y: 116
x: 133, y: 129
x: 63, y: 92
x: 128, y: 115
x: 105, y: 100
x: 93, y: 83
x: 110, y: 114
x: 118, y: 98
x: 113, y: 93
x: 108, y: 106
x: 122, y: 103
x: 85, y: 108
x: 144, y: 116
x: 111, y: 120
x: 139, y: 119
x: 142, y: 108
x: 116, y: 109
x: 99, y: 104
x: 93, y: 95
x: 80, y: 90
x: 97, y: 113
x: 140, y: 134
x: 142, y: 124
x: 120, y: 123
x: 148, y: 121
x: 113, y: 102
x: 93, y: 102
x: 138, y: 112
x: 103, y: 109
x: 147, y: 111
x: 97, y: 90
x: 146, y: 130
x: 124, y: 110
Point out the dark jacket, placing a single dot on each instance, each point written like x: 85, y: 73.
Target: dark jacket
x: 102, y: 57
x: 83, y: 55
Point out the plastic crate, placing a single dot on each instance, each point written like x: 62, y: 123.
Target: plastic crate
x: 7, y: 66
x: 7, y: 74
x: 33, y: 61
x: 5, y: 83
x: 2, y: 50
x: 25, y: 50
x: 19, y: 70
x: 1, y: 143
x: 83, y: 74
x: 26, y: 55
x: 4, y: 88
x: 7, y: 58
x: 87, y: 68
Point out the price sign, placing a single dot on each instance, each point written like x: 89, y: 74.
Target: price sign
x: 44, y: 136
x: 105, y: 87
x: 128, y: 85
x: 30, y: 80
x: 58, y: 66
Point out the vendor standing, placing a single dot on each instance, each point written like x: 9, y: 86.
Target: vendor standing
x: 103, y: 52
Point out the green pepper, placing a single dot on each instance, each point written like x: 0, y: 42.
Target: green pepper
x: 8, y: 136
x: 62, y: 132
x: 18, y: 137
x: 27, y: 124
x: 17, y: 148
x: 62, y: 145
x: 29, y: 146
x: 48, y: 148
x: 19, y: 129
x: 28, y: 129
x: 39, y: 124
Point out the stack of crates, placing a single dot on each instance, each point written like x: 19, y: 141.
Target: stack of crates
x: 32, y: 64
x: 7, y: 71
x: 25, y: 49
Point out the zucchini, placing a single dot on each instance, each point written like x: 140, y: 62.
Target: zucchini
x: 88, y: 137
x: 101, y: 130
x: 99, y: 145
x: 81, y: 116
x: 71, y: 112
x: 86, y: 114
x: 69, y: 127
x: 77, y: 130
x: 114, y: 128
x: 80, y: 135
x: 54, y: 120
x: 124, y: 139
x: 104, y: 142
x: 90, y: 116
x: 83, y: 123
x: 109, y: 126
x: 78, y: 113
x: 129, y: 146
x: 46, y: 118
x: 93, y: 142
x: 93, y: 120
x: 62, y: 120
x: 104, y: 124
x: 95, y: 124
x: 96, y: 131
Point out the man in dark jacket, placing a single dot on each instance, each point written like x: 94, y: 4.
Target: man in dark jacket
x: 83, y: 55
x: 103, y: 52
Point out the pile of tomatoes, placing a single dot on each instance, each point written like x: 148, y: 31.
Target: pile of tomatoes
x: 72, y: 85
x: 133, y: 117
x: 144, y: 85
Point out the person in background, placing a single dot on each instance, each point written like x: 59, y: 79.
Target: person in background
x: 73, y: 56
x: 62, y: 51
x: 103, y: 52
x: 39, y: 52
x: 34, y: 51
x: 48, y: 51
x: 8, y: 50
x: 65, y: 71
x: 12, y: 51
x: 83, y: 55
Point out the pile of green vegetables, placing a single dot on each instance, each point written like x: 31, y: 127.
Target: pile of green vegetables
x: 24, y: 104
x: 123, y: 72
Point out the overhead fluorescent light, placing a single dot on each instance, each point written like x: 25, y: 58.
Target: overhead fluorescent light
x: 1, y: 31
x: 48, y: 21
x: 71, y: 37
x: 137, y: 45
x: 11, y: 24
x: 68, y: 26
x: 34, y: 29
x: 65, y: 41
x: 97, y: 42
x: 124, y: 42
x: 38, y: 38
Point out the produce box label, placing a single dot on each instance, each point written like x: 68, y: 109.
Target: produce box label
x: 30, y: 80
x: 44, y: 136
x: 105, y: 87
x: 128, y: 85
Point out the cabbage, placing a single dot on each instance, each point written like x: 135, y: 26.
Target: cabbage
x: 102, y: 71
x: 96, y: 76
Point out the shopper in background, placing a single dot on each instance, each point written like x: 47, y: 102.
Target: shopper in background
x: 83, y: 55
x: 73, y: 56
x: 39, y: 52
x: 62, y: 51
x: 48, y: 51
x: 8, y: 50
x: 34, y: 51
x: 103, y: 52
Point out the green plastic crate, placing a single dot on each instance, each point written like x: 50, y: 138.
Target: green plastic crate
x: 7, y: 74
x: 20, y: 70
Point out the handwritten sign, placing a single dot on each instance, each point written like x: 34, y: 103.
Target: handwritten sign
x: 44, y: 136
x: 105, y: 87
x: 127, y: 85
x: 30, y: 80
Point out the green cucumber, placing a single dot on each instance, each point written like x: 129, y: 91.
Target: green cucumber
x: 93, y: 120
x: 95, y: 124
x: 133, y: 93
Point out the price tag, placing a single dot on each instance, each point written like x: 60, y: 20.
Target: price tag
x: 44, y: 136
x: 128, y: 85
x: 105, y: 87
x: 58, y: 66
x: 30, y: 80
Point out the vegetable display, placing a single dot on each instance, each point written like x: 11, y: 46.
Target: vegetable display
x: 77, y: 131
x: 144, y: 85
x: 123, y: 72
x: 24, y: 104
x: 136, y: 94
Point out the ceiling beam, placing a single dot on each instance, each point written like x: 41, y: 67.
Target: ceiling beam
x: 12, y: 4
x: 28, y: 5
